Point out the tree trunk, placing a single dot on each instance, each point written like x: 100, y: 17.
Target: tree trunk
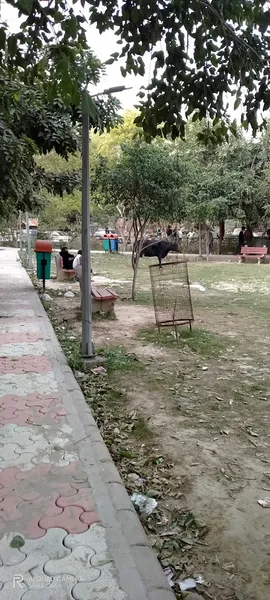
x: 207, y: 243
x: 134, y: 281
x: 200, y: 239
x: 139, y: 229
x: 135, y: 265
x: 221, y: 234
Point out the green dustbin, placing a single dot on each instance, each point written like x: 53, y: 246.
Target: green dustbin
x: 106, y: 244
x: 40, y: 257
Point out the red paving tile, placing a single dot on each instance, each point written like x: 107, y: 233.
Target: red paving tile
x: 19, y: 338
x: 83, y: 499
x: 25, y: 364
x: 90, y: 517
x: 68, y: 520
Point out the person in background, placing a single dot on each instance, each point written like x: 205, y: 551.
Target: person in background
x: 174, y: 234
x: 210, y: 242
x: 169, y: 231
x: 67, y: 258
x: 248, y: 236
x: 241, y: 238
x: 77, y: 264
x: 190, y: 236
x: 77, y: 267
x: 159, y: 231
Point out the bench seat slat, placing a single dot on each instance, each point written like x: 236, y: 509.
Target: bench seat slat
x: 103, y: 294
x: 246, y: 250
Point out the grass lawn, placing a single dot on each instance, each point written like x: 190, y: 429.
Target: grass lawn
x: 187, y: 419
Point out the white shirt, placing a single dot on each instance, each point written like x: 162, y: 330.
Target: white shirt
x: 77, y: 261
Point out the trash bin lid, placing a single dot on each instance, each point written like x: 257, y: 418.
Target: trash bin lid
x: 43, y: 246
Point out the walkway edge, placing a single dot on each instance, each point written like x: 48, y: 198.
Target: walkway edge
x: 140, y: 573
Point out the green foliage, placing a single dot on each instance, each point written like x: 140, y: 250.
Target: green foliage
x: 109, y: 144
x: 119, y: 360
x: 205, y: 51
x: 34, y: 120
x: 146, y: 180
x: 201, y: 53
x: 198, y: 341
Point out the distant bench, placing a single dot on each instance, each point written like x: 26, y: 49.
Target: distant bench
x: 103, y: 300
x: 63, y: 274
x: 251, y: 252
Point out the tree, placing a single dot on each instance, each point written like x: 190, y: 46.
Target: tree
x: 210, y: 49
x: 108, y: 146
x: 147, y: 181
x: 225, y: 182
x: 33, y: 121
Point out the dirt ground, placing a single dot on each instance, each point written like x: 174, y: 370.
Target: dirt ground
x: 208, y: 410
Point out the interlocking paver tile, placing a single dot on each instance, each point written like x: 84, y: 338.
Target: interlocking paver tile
x: 8, y: 555
x: 46, y: 445
x: 9, y: 456
x: 51, y: 543
x: 104, y: 587
x: 11, y: 402
x: 24, y: 364
x: 13, y: 590
x: 58, y: 409
x: 95, y: 538
x: 83, y: 499
x: 69, y: 520
x: 15, y: 312
x: 23, y: 384
x: 39, y: 471
x: 8, y: 509
x: 59, y: 459
x: 90, y: 517
x: 26, y: 347
x: 23, y: 436
x: 76, y: 564
x: 16, y: 322
x: 42, y: 400
x: 30, y: 562
x: 8, y: 477
x: 35, y: 493
x: 60, y: 589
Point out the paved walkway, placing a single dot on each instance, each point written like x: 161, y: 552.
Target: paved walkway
x: 68, y: 530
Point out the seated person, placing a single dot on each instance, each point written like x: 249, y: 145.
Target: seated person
x: 67, y: 258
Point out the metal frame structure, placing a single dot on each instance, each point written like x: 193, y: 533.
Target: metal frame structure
x: 171, y: 294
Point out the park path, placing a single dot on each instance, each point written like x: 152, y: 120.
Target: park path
x: 68, y: 530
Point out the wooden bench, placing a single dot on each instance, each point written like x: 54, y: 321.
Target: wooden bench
x: 103, y: 300
x: 63, y: 274
x: 251, y: 252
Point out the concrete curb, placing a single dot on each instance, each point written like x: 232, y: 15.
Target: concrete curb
x: 140, y: 574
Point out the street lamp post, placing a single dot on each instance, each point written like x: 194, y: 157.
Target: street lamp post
x: 87, y: 342
x: 87, y: 335
x: 29, y: 248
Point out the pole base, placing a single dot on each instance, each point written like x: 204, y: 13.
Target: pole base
x: 90, y: 362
